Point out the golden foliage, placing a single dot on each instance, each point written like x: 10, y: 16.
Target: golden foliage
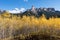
x: 6, y: 14
x: 30, y: 24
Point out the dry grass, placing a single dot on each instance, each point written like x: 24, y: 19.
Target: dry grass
x: 22, y: 27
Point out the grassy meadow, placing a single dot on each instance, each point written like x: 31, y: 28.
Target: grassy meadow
x: 29, y: 28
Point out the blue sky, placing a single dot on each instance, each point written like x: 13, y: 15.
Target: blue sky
x: 11, y: 4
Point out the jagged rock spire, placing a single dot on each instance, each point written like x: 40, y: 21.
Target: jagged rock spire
x: 33, y: 9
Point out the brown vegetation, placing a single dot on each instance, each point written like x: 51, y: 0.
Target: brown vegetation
x: 29, y: 28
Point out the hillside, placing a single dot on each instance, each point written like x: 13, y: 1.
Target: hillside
x: 37, y: 12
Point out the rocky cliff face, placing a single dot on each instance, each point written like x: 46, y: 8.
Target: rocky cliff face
x: 37, y: 12
x: 48, y: 12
